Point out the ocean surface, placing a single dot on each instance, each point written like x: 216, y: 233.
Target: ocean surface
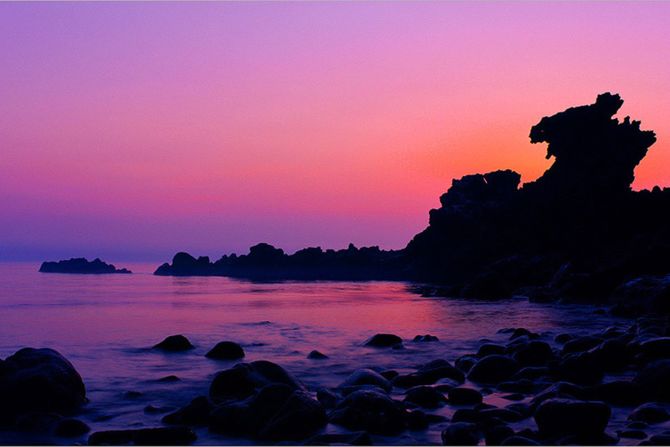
x: 106, y: 324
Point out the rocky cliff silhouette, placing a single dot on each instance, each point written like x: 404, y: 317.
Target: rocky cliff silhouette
x: 577, y: 232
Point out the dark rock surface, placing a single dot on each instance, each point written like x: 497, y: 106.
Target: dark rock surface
x: 144, y: 436
x: 372, y: 411
x: 383, y: 341
x: 244, y: 379
x: 39, y: 380
x: 226, y: 350
x: 174, y: 343
x: 80, y: 265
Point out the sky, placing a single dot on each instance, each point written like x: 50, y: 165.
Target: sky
x: 130, y: 131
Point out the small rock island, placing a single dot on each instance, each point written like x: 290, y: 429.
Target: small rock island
x: 80, y: 265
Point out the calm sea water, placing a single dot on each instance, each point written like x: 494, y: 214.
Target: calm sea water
x: 105, y: 325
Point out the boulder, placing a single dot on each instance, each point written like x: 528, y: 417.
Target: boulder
x: 519, y: 440
x: 353, y: 438
x: 371, y: 411
x: 71, y: 428
x: 316, y: 355
x: 430, y: 373
x: 464, y: 396
x: 461, y: 433
x: 534, y: 353
x: 39, y: 380
x: 425, y: 338
x: 226, y: 350
x: 651, y: 413
x: 244, y: 379
x: 425, y: 396
x: 654, y: 380
x: 565, y: 417
x: 174, y: 343
x: 383, y: 341
x: 195, y: 413
x: 144, y: 436
x: 490, y: 349
x: 366, y: 377
x: 493, y: 369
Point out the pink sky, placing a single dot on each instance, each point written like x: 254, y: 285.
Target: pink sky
x: 133, y: 130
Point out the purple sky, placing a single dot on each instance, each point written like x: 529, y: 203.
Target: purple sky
x: 133, y: 130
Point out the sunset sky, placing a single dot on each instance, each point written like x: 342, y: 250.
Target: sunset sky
x: 130, y: 131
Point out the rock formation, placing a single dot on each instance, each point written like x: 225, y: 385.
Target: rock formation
x: 81, y: 265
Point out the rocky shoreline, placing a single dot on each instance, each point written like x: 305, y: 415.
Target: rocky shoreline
x: 604, y: 388
x: 81, y: 266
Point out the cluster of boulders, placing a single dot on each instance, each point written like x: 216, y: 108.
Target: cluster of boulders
x: 561, y: 390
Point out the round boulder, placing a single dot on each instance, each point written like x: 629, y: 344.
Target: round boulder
x: 565, y: 417
x: 493, y: 369
x: 383, y: 341
x: 226, y: 350
x: 174, y: 343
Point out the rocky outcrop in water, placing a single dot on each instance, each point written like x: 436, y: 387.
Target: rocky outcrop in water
x: 577, y: 233
x: 80, y: 265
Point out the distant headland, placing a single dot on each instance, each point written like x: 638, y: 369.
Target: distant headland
x: 81, y: 265
x: 579, y: 232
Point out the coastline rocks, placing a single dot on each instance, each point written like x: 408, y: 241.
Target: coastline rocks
x: 493, y: 369
x: 71, y: 428
x: 276, y: 412
x: 425, y: 396
x: 81, y: 266
x: 195, y: 413
x: 430, y: 373
x: 651, y: 413
x: 425, y: 338
x: 461, y: 433
x: 174, y: 343
x: 39, y: 380
x: 244, y: 379
x: 226, y: 350
x: 366, y: 377
x: 144, y: 436
x: 316, y: 355
x: 533, y: 353
x: 383, y: 341
x: 464, y: 396
x: 565, y: 417
x: 371, y: 411
x: 654, y: 380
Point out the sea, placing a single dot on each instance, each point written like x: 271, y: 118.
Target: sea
x: 106, y: 326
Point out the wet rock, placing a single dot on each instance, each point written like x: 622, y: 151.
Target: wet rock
x: 535, y: 353
x: 152, y: 409
x: 195, y: 413
x: 428, y: 374
x: 520, y: 332
x: 461, y: 433
x: 327, y: 398
x: 493, y: 369
x: 425, y: 396
x: 518, y: 386
x: 383, y: 341
x: 581, y: 344
x: 519, y: 440
x: 564, y: 417
x: 37, y: 422
x: 466, y: 415
x: 632, y: 434
x: 513, y: 396
x: 612, y: 354
x: 316, y: 355
x: 660, y: 439
x: 353, y: 438
x: 277, y: 413
x: 372, y: 411
x: 169, y: 379
x: 532, y: 372
x: 425, y: 338
x: 490, y: 349
x: 144, y: 436
x: 651, y: 413
x: 389, y: 374
x: 654, y: 380
x: 367, y: 377
x: 71, y: 428
x: 464, y: 396
x: 656, y: 348
x: 618, y: 392
x: 563, y: 338
x: 523, y: 409
x: 581, y: 368
x: 416, y: 420
x: 132, y: 395
x: 174, y: 343
x: 465, y: 363
x: 39, y: 380
x: 497, y: 434
x: 300, y: 417
x: 243, y: 379
x: 226, y: 350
